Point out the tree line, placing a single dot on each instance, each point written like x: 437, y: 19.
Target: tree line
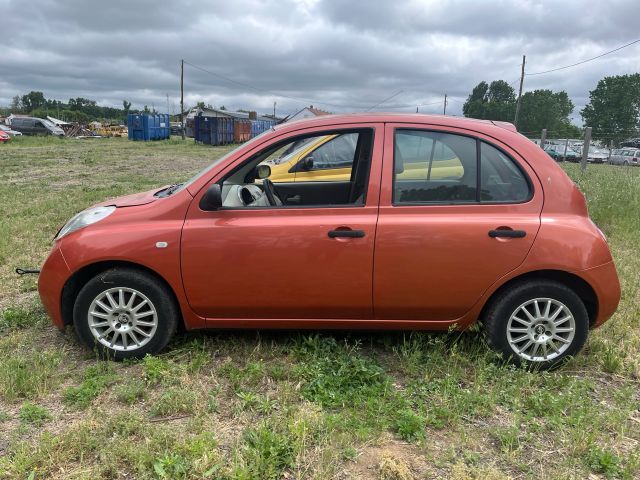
x: 81, y: 110
x: 613, y: 110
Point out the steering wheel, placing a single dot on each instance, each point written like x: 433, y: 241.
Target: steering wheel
x: 270, y: 192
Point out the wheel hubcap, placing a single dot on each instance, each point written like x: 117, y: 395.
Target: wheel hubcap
x: 122, y: 319
x: 541, y: 329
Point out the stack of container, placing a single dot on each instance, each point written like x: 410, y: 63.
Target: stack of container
x: 145, y: 127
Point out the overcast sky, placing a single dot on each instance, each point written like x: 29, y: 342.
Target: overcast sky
x: 339, y: 55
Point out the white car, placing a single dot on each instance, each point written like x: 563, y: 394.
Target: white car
x: 7, y: 129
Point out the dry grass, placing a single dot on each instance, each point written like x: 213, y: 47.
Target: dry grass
x: 293, y: 405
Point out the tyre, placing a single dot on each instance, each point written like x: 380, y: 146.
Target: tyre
x: 625, y: 163
x: 125, y: 313
x: 537, y: 324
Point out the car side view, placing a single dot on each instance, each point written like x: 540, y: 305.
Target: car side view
x: 432, y: 223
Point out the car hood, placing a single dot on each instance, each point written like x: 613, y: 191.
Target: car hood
x: 132, y: 200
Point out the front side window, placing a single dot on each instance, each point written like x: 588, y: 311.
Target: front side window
x: 324, y: 169
x: 439, y: 167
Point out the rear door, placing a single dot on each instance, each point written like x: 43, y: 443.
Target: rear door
x: 446, y: 234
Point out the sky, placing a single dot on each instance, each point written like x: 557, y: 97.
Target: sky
x: 338, y: 55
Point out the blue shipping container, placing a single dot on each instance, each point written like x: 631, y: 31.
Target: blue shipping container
x: 144, y: 126
x: 260, y: 126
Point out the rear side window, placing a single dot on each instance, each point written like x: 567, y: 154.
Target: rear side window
x: 500, y: 178
x: 434, y: 167
x: 439, y: 167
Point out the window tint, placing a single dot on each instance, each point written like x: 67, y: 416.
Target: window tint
x: 335, y: 153
x: 434, y: 167
x: 500, y: 178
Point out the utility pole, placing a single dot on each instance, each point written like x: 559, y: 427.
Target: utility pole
x: 182, y: 97
x: 168, y: 109
x: 543, y: 138
x: 444, y: 112
x: 585, y: 148
x: 566, y: 147
x: 274, y: 111
x: 515, y: 120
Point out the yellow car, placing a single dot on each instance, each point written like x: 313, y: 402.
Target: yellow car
x: 329, y: 158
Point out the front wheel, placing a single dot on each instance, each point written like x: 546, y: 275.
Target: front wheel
x: 125, y: 313
x: 537, y: 323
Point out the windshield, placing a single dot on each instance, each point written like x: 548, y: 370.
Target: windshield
x: 48, y: 123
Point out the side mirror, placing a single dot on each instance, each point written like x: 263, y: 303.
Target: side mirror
x: 306, y: 163
x: 263, y: 171
x: 212, y: 198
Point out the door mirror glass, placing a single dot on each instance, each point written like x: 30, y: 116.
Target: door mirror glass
x: 212, y: 198
x: 263, y: 171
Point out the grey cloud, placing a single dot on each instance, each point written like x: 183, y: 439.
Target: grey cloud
x: 348, y: 54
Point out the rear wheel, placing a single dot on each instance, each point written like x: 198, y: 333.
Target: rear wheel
x: 625, y: 163
x: 125, y: 313
x: 537, y: 323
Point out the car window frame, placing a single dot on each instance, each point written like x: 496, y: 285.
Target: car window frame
x: 293, y: 138
x: 477, y: 201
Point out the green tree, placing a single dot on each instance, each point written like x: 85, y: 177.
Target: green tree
x: 613, y: 110
x: 33, y: 100
x: 16, y: 104
x: 495, y: 101
x: 545, y: 109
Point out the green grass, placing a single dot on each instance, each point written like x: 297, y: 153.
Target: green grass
x: 244, y: 405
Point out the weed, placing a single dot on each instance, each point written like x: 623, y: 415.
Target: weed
x: 175, y: 401
x: 95, y: 379
x: 29, y: 374
x: 409, y: 425
x: 131, y: 392
x: 34, y: 414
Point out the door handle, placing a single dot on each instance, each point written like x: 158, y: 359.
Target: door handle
x: 346, y: 233
x: 507, y: 233
x: 293, y: 199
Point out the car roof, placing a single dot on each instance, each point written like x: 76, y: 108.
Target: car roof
x: 443, y: 120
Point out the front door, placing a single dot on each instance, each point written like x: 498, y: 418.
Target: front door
x: 302, y: 259
x: 457, y: 212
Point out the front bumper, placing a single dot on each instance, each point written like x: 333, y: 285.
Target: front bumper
x: 604, y: 281
x: 53, y: 276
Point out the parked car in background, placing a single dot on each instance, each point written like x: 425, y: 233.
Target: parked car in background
x: 12, y: 133
x: 558, y: 153
x: 35, y: 126
x: 626, y: 157
x: 504, y: 239
x: 632, y: 142
x: 4, y: 137
x: 595, y: 154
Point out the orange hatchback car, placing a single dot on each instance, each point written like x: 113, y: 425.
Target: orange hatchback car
x: 487, y: 228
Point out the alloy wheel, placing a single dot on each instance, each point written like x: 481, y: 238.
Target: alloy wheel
x: 541, y: 329
x: 122, y: 319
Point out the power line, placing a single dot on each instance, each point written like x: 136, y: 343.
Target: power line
x: 386, y: 99
x: 585, y: 61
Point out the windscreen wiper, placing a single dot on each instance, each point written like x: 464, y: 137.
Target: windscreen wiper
x: 165, y: 192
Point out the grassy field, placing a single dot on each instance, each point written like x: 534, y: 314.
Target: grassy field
x: 269, y: 405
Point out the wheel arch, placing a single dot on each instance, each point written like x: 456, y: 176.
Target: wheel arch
x: 580, y: 286
x: 79, y: 278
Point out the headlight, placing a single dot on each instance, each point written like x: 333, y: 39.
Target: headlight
x: 85, y: 218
